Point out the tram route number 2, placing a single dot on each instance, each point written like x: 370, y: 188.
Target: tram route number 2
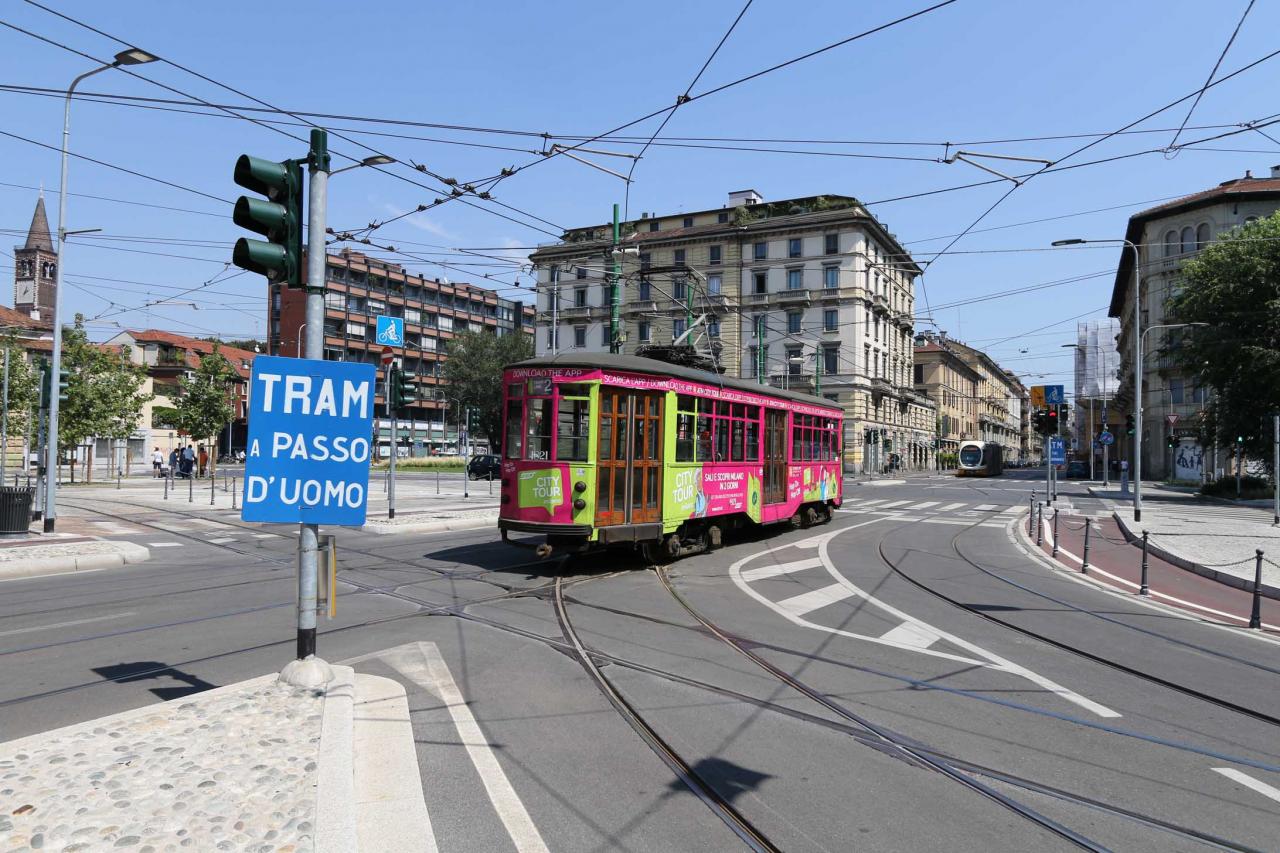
x: 310, y: 441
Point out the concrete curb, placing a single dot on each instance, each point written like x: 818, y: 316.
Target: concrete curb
x: 392, y: 814
x: 30, y: 567
x: 1168, y: 556
x: 335, y: 773
x: 433, y: 526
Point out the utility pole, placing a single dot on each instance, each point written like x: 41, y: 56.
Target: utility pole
x: 615, y: 293
x: 555, y: 308
x: 760, y: 357
x: 392, y: 387
x: 817, y: 372
x: 309, y: 534
x: 4, y: 419
x: 1275, y: 469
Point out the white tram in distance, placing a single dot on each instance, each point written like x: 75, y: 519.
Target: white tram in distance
x: 980, y: 459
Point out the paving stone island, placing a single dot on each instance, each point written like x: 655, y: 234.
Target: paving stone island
x: 234, y: 769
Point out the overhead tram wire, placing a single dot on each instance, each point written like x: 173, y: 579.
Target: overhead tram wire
x: 683, y: 99
x: 1173, y: 144
x: 447, y: 191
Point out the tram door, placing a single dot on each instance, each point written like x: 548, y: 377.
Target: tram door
x: 629, y: 457
x: 775, y: 456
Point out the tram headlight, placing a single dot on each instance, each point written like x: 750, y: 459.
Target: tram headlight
x: 579, y: 504
x: 579, y: 487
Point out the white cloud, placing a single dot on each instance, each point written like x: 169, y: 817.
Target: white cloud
x: 421, y: 222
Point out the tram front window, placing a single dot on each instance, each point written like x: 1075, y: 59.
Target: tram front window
x: 971, y: 456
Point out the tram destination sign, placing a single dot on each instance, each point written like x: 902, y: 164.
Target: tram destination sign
x: 310, y: 428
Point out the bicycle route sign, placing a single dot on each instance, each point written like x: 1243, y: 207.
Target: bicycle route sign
x: 390, y: 331
x: 310, y: 424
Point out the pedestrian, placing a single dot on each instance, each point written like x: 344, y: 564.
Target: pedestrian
x: 173, y: 461
x: 204, y: 460
x: 189, y: 460
x: 157, y: 463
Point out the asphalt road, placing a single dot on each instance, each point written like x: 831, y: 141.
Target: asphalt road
x: 903, y: 678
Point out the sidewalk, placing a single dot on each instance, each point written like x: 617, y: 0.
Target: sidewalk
x: 1212, y: 539
x: 1114, y: 562
x: 57, y: 553
x: 254, y: 765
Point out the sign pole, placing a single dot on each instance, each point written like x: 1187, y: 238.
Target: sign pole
x: 391, y: 470
x: 308, y: 670
x: 1048, y: 467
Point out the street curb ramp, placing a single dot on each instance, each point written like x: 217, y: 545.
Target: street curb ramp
x: 35, y: 566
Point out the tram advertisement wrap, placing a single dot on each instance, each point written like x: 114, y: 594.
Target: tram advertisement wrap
x: 541, y: 488
x: 711, y: 490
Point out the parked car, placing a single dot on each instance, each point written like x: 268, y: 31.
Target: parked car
x: 484, y: 467
x: 1076, y: 470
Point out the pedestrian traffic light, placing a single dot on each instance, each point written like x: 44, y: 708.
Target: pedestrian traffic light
x: 1129, y: 426
x: 279, y: 218
x: 404, y: 393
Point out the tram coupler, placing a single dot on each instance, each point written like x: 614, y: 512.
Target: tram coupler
x: 543, y: 551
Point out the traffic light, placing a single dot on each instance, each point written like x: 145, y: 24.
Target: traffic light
x: 64, y: 383
x: 45, y: 383
x: 1239, y: 439
x: 1169, y: 442
x: 1129, y: 427
x: 279, y: 218
x: 1051, y: 421
x: 404, y: 393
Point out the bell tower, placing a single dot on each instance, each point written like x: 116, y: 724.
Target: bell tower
x: 35, y: 268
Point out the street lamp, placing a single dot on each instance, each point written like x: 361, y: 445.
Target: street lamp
x: 129, y: 56
x: 375, y: 160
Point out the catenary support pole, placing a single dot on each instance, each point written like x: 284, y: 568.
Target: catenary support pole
x: 391, y: 464
x: 1275, y: 472
x: 1255, y: 612
x: 4, y: 419
x: 615, y: 291
x: 1056, y: 513
x: 1144, y: 588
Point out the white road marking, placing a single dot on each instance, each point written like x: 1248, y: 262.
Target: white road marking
x: 872, y: 503
x: 164, y: 544
x: 1249, y: 782
x: 53, y: 625
x: 894, y: 503
x: 781, y: 569
x: 426, y: 668
x: 1012, y: 510
x: 984, y: 657
x: 985, y: 507
x: 222, y: 540
x: 807, y: 602
x: 950, y: 507
x: 910, y: 634
x: 809, y: 543
x: 923, y: 505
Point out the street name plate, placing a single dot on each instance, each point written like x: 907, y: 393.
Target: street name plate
x: 310, y: 424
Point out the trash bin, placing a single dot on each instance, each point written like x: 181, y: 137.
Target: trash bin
x: 15, y: 510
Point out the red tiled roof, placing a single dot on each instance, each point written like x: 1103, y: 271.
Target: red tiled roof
x: 1227, y: 188
x: 16, y: 319
x: 194, y: 348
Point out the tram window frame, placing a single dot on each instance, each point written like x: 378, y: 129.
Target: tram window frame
x: 686, y: 421
x: 753, y: 434
x: 544, y: 438
x: 578, y: 396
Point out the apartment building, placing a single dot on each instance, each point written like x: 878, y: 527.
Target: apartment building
x: 948, y: 380
x: 1167, y: 235
x: 358, y: 289
x: 999, y: 399
x: 808, y: 293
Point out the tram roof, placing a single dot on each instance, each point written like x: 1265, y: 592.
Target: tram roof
x: 639, y: 364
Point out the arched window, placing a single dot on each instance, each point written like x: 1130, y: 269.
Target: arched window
x: 1202, y: 235
x: 1170, y: 244
x: 1188, y: 240
x: 53, y: 270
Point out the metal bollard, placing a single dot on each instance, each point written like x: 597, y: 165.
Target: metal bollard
x: 166, y: 487
x: 1255, y: 614
x: 1040, y: 526
x: 213, y: 489
x: 117, y: 479
x: 1084, y: 567
x: 233, y: 492
x: 490, y: 484
x: 437, y: 482
x: 191, y: 489
x: 1144, y: 589
x: 1055, y: 532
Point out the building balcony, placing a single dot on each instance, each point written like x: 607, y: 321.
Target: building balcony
x: 575, y: 312
x: 881, y: 387
x: 903, y: 321
x: 637, y: 308
x: 794, y: 297
x: 831, y: 294
x: 800, y: 382
x: 879, y: 304
x: 760, y: 299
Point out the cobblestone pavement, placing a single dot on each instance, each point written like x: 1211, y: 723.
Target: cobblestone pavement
x: 233, y: 770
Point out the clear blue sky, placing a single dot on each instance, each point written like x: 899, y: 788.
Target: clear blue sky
x: 970, y: 72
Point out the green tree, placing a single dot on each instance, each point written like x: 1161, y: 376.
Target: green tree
x: 1234, y: 286
x: 474, y: 373
x: 105, y: 392
x: 24, y: 390
x: 204, y: 400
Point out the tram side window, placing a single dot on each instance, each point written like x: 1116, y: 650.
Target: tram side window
x: 539, y: 424
x: 705, y: 422
x: 753, y: 434
x: 737, y: 449
x: 797, y: 437
x: 514, y: 410
x: 686, y: 412
x: 574, y: 417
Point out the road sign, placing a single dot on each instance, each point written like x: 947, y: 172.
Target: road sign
x: 1172, y: 420
x: 309, y: 428
x: 1105, y: 438
x: 388, y: 356
x: 390, y: 330
x: 1054, y: 395
x: 1037, y: 396
x: 1057, y: 450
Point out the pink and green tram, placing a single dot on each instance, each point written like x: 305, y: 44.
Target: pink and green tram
x: 610, y: 450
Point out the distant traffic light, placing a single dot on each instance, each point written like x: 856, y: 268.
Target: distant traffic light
x: 1051, y: 421
x: 279, y: 218
x: 404, y: 393
x: 64, y: 384
x: 1129, y: 426
x: 1239, y: 439
x: 1170, y: 442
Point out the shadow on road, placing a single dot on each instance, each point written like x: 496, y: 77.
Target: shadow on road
x: 124, y: 673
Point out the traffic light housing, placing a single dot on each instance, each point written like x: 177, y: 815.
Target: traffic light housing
x: 1169, y: 442
x: 278, y: 218
x: 1129, y: 427
x: 404, y: 392
x: 64, y: 383
x: 1051, y: 421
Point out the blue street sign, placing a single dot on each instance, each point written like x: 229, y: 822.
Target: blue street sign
x: 390, y: 331
x: 1053, y: 394
x: 310, y: 424
x: 1057, y: 451
x: 1106, y: 438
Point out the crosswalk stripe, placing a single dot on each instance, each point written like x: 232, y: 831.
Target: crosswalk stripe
x: 807, y: 602
x: 894, y: 503
x: 985, y: 507
x: 950, y: 507
x: 1012, y: 510
x: 923, y: 505
x: 870, y: 503
x: 780, y: 569
x: 911, y: 634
